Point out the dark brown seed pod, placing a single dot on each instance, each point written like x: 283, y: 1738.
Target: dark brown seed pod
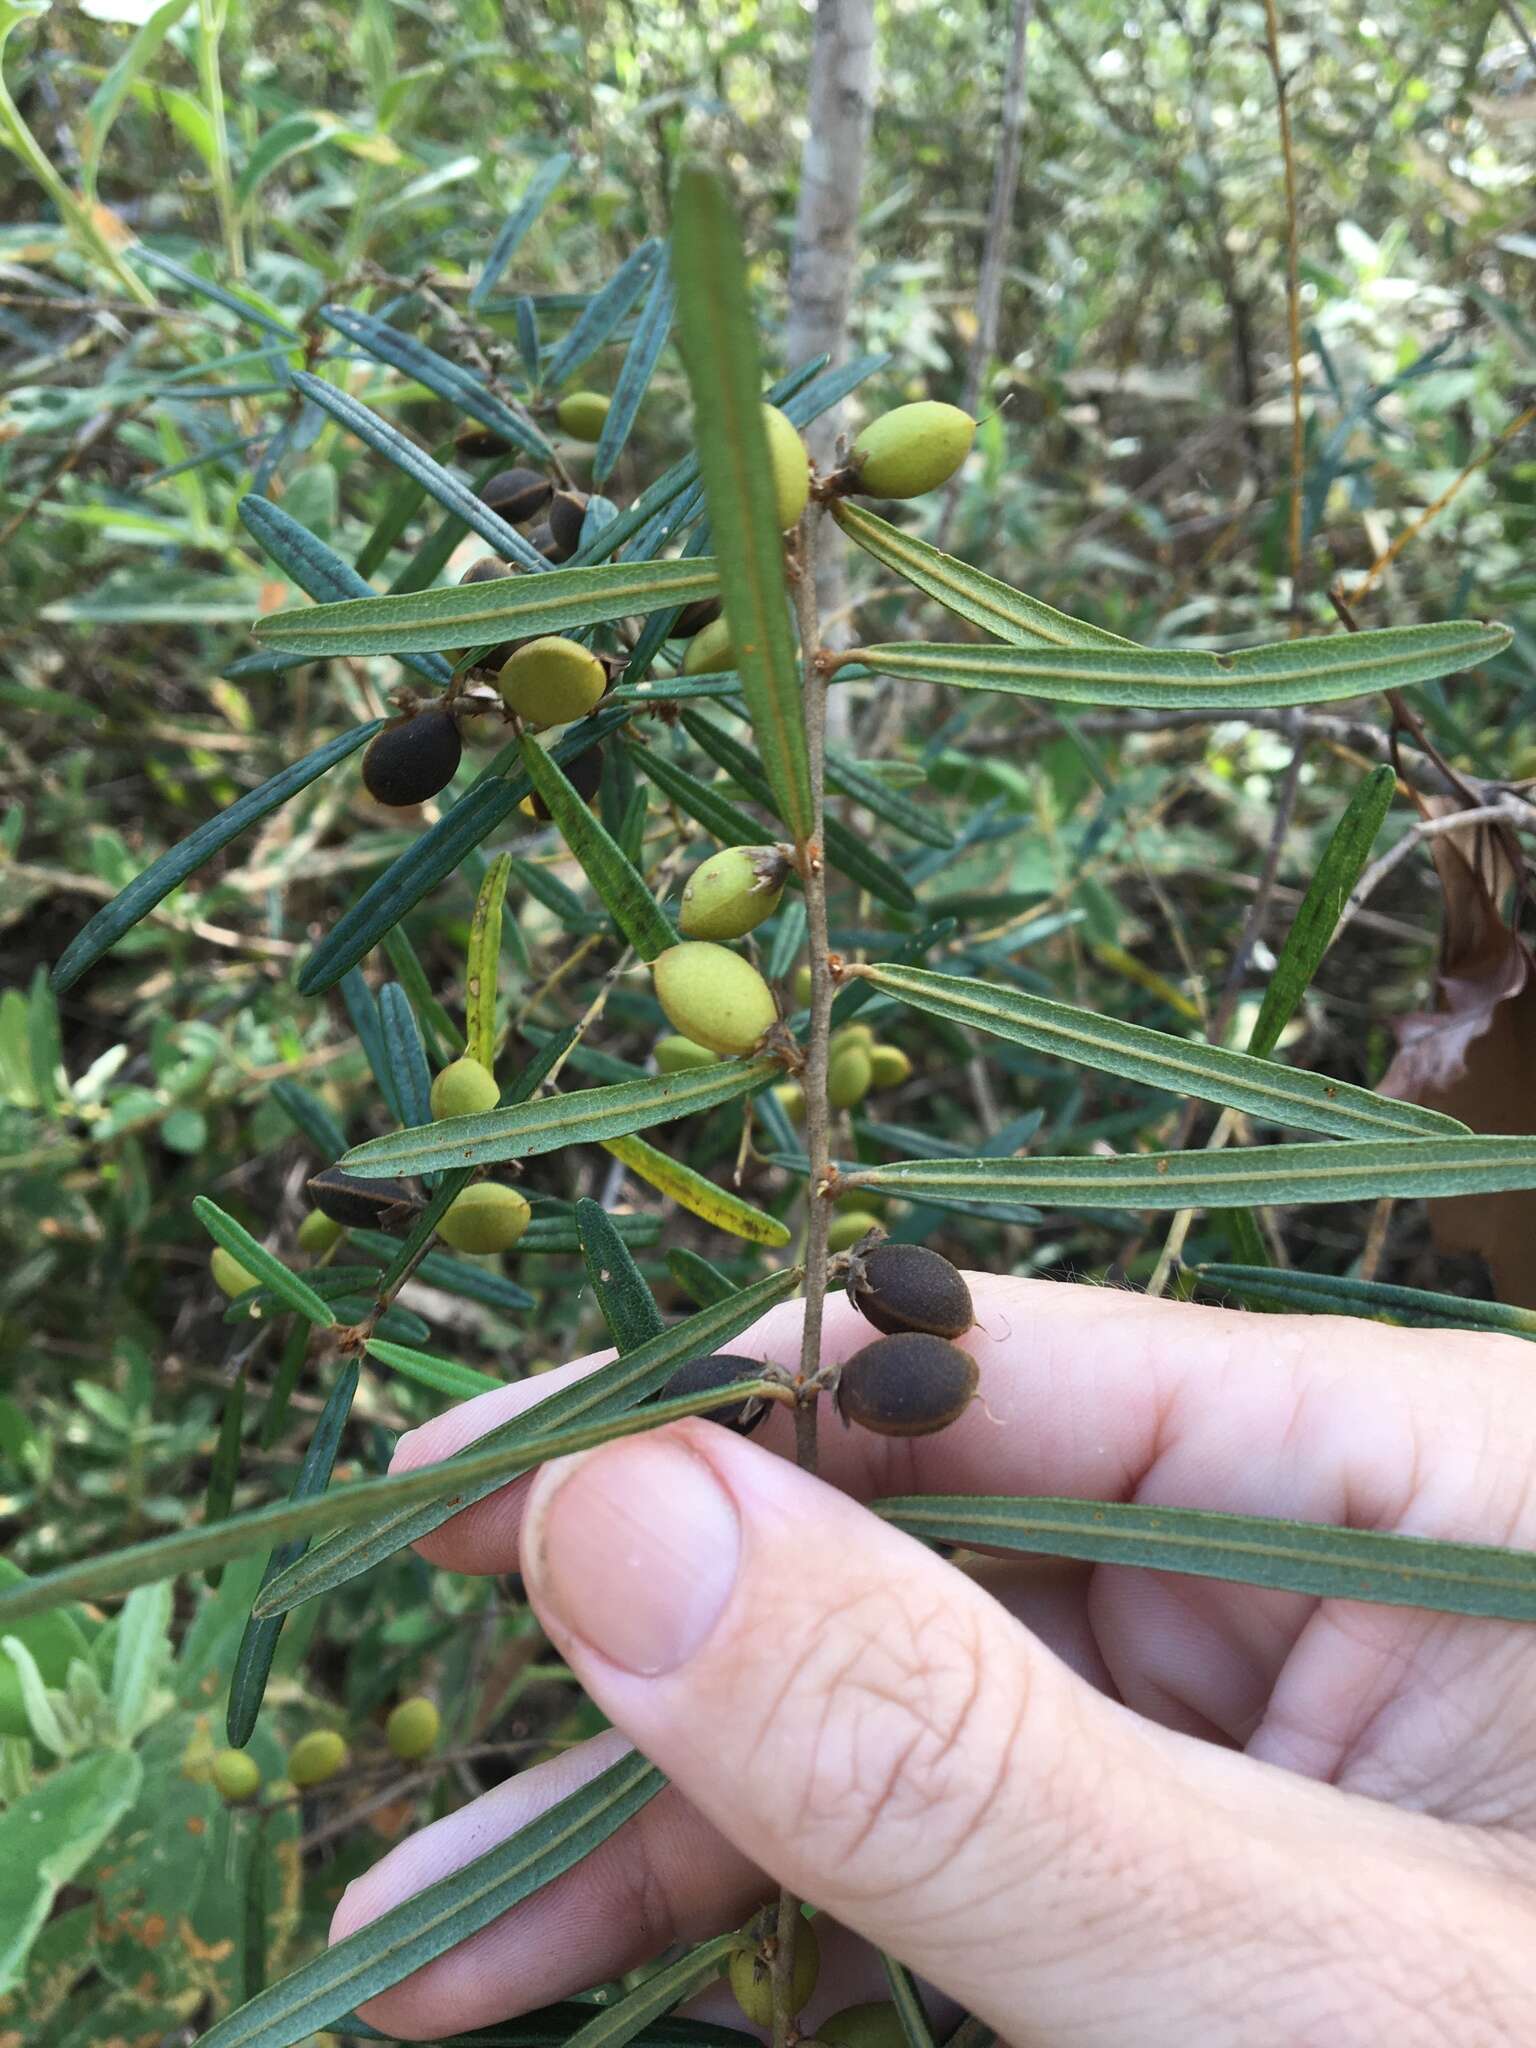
x: 517, y: 494
x: 720, y: 1369
x: 488, y: 569
x: 414, y: 758
x: 567, y: 510
x: 908, y: 1287
x: 551, y: 549
x: 908, y: 1385
x: 584, y: 774
x: 359, y: 1204
x: 477, y: 441
x: 693, y: 618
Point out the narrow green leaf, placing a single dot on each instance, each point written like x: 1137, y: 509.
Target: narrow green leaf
x: 1316, y: 671
x: 224, y: 1466
x: 289, y: 1367
x: 103, y: 931
x: 852, y: 778
x: 909, y: 2007
x: 698, y: 801
x: 582, y: 1118
x: 363, y: 1014
x: 482, y: 967
x: 406, y: 1055
x: 613, y: 1390
x: 697, y: 1194
x: 258, y: 1261
x: 1254, y: 1550
x: 448, y: 379
x: 1340, y: 1294
x: 442, y: 1375
x: 206, y: 289
x: 1312, y: 930
x: 620, y: 886
x: 475, y: 614
x: 983, y: 600
x: 603, y: 312
x: 646, y: 345
x: 318, y: 570
x: 719, y: 343
x: 628, y: 1306
x: 616, y: 2025
x: 535, y: 198
x: 401, y: 1940
x: 258, y: 1642
x: 1258, y: 1175
x: 309, y: 1115
x: 434, y: 857
x: 437, y: 1027
x: 1157, y: 1059
x: 456, y: 1276
x: 701, y: 1281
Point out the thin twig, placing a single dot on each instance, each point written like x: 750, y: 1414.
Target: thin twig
x: 1293, y: 309
x: 1510, y: 812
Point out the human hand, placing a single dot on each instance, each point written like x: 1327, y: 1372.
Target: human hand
x: 1093, y: 1804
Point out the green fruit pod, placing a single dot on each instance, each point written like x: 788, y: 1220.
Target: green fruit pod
x: 463, y: 1088
x: 790, y: 1097
x: 732, y: 892
x: 800, y: 988
x: 581, y: 414
x: 720, y: 1369
x: 791, y: 468
x: 412, y: 759
x: 913, y: 449
x: 316, y: 1758
x: 877, y: 2025
x: 681, y: 1056
x: 907, y: 1385
x: 710, y: 650
x: 752, y: 1977
x: 318, y: 1232
x: 413, y: 1728
x: 888, y: 1066
x: 229, y: 1276
x: 516, y: 494
x: 488, y: 1217
x: 358, y: 1204
x: 846, y: 1229
x: 909, y: 1287
x: 552, y: 681
x: 851, y: 1034
x: 237, y: 1776
x: 848, y: 1075
x: 714, y: 996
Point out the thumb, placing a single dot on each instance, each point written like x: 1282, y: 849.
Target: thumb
x: 877, y: 1733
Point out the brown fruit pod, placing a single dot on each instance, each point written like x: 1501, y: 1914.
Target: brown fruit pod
x: 517, y: 494
x: 567, y: 511
x: 488, y: 569
x: 358, y: 1204
x: 584, y: 774
x: 413, y: 758
x: 693, y: 618
x: 907, y: 1385
x: 720, y: 1369
x: 901, y: 1287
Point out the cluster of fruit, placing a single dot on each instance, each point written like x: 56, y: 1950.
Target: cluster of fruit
x: 553, y: 680
x: 411, y: 1733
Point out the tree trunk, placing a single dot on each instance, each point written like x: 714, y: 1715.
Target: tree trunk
x: 840, y: 111
x: 1005, y: 186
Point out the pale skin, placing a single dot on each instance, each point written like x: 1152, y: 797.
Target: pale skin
x: 1095, y: 1806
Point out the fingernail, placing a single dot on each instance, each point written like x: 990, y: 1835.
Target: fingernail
x: 635, y: 1551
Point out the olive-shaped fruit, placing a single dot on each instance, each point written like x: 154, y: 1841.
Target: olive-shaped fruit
x: 516, y: 494
x: 412, y: 1728
x: 237, y: 1776
x: 318, y: 1232
x: 791, y: 468
x: 877, y: 2025
x: 907, y: 1385
x: 752, y: 1977
x: 463, y: 1088
x: 414, y: 758
x: 908, y: 1287
x: 848, y: 1074
x: 888, y: 1066
x: 487, y: 1217
x: 800, y: 988
x: 567, y: 510
x: 229, y: 1276
x: 848, y: 1227
x: 790, y: 1097
x: 584, y: 774
x: 477, y: 442
x: 581, y: 414
x: 681, y: 1056
x: 720, y: 1369
x: 552, y: 681
x: 713, y: 996
x: 693, y: 618
x: 732, y: 892
x: 913, y: 449
x: 316, y: 1757
x: 489, y: 569
x: 710, y: 650
x: 355, y: 1203
x: 851, y: 1034
x: 543, y: 538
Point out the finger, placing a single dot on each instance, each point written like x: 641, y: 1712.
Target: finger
x: 878, y: 1734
